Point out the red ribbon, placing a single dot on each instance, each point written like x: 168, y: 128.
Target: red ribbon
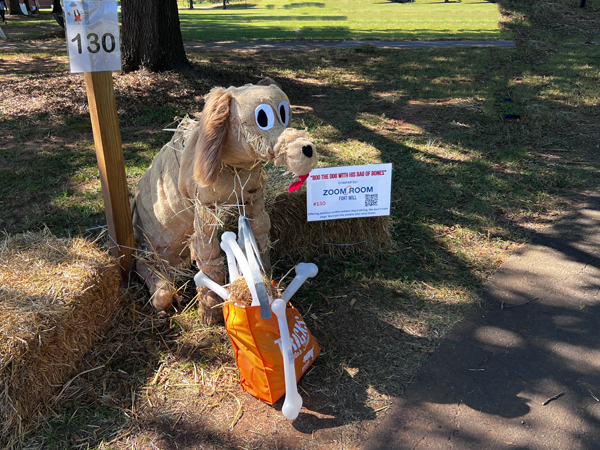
x: 298, y: 184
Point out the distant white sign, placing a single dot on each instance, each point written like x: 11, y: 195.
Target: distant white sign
x: 346, y: 192
x: 92, y: 35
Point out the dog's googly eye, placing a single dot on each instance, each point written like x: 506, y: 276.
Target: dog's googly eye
x: 284, y: 113
x: 265, y: 117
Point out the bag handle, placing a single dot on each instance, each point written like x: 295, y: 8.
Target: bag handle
x: 247, y: 242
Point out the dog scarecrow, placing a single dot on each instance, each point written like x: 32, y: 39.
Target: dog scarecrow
x: 213, y: 169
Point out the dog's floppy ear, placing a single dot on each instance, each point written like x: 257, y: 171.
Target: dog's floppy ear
x: 213, y: 128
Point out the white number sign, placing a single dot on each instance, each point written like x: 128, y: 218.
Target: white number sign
x: 92, y: 35
x: 352, y: 191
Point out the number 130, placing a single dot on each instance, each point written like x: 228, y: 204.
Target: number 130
x: 95, y: 45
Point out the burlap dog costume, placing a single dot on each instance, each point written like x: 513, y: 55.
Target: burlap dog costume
x: 212, y: 169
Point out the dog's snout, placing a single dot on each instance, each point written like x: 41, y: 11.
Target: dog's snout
x: 307, y: 150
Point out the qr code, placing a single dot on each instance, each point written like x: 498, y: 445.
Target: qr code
x: 371, y: 199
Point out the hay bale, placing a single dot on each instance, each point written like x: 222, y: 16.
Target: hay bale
x: 294, y: 239
x: 57, y: 297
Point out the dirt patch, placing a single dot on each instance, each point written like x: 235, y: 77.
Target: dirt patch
x: 227, y: 417
x: 14, y: 66
x: 17, y: 32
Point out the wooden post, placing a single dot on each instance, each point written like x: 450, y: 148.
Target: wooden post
x: 109, y: 151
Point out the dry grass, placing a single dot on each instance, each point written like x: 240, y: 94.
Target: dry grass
x: 58, y: 297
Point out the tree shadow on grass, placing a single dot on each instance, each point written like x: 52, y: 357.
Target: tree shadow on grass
x: 377, y: 320
x: 526, y: 367
x: 458, y: 197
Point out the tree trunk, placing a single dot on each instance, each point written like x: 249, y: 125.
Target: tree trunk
x: 151, y: 36
x: 224, y: 5
x: 191, y: 4
x: 14, y: 7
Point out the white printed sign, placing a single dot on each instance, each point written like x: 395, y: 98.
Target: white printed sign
x: 92, y: 35
x: 346, y: 192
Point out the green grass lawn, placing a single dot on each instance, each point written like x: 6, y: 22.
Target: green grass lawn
x: 344, y: 19
x: 336, y: 19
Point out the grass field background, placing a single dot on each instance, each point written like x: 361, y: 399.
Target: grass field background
x: 344, y: 19
x: 336, y: 19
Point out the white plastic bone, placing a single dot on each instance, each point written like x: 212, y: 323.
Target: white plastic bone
x: 202, y: 280
x: 293, y: 401
x: 229, y: 238
x: 303, y: 272
x: 231, y: 264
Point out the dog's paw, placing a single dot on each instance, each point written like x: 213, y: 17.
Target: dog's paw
x: 208, y: 310
x: 162, y: 299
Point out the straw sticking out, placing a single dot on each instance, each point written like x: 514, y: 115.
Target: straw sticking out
x: 240, y: 293
x: 258, y: 143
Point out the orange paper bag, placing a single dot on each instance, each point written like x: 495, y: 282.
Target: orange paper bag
x: 255, y: 343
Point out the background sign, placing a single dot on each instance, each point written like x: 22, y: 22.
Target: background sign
x: 352, y: 191
x: 92, y: 35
